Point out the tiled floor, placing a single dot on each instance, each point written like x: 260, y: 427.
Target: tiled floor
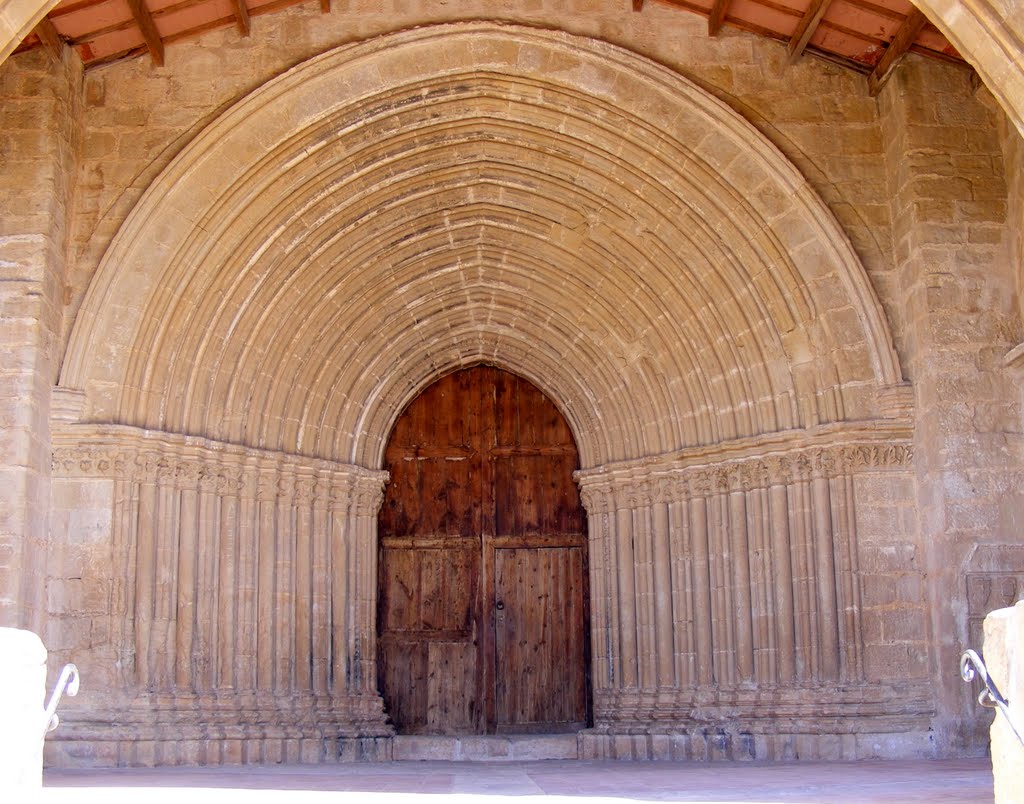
x: 568, y: 782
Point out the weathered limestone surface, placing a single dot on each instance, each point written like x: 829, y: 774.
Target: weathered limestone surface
x: 726, y: 284
x: 38, y: 121
x: 1004, y: 657
x: 959, y: 287
x: 127, y: 143
x: 989, y: 33
x: 986, y: 33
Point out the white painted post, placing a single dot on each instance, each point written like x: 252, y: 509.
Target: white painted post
x: 23, y: 720
x: 1004, y: 656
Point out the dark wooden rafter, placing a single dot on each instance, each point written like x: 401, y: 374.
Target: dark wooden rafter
x: 52, y: 43
x: 144, y: 20
x: 806, y: 27
x: 173, y: 21
x: 901, y: 43
x: 241, y: 16
x: 717, y: 16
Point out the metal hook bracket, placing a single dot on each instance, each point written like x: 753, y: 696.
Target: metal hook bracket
x: 67, y: 682
x: 971, y: 666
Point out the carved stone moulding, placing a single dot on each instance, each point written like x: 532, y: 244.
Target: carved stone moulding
x: 120, y: 452
x: 731, y: 743
x: 821, y: 708
x: 747, y: 464
x: 224, y: 728
x: 201, y: 746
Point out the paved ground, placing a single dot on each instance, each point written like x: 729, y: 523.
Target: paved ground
x: 568, y: 782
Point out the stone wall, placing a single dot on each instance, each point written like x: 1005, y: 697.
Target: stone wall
x: 685, y: 538
x: 39, y: 120
x: 989, y: 34
x: 960, y: 306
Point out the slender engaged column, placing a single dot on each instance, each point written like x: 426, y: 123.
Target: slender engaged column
x: 228, y: 597
x: 206, y: 637
x: 601, y: 611
x: 626, y: 598
x: 185, y: 599
x: 303, y: 642
x: 723, y: 631
x: 645, y: 609
x: 663, y: 597
x: 322, y: 573
x: 248, y: 585
x: 826, y: 576
x: 340, y: 583
x: 803, y: 578
x: 683, y: 605
x: 743, y: 609
x: 266, y: 507
x: 145, y: 573
x: 166, y: 531
x: 782, y: 563
x: 284, y: 584
x: 702, y: 591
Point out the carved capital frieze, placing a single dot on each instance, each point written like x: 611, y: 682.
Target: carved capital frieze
x: 187, y: 462
x: 267, y: 485
x: 744, y: 466
x: 596, y: 500
x: 698, y: 483
x: 368, y: 496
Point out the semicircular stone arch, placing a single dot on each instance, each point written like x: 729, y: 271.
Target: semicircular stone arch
x: 554, y: 205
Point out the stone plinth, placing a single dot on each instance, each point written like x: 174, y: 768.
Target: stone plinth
x: 22, y: 691
x: 1004, y: 657
x: 489, y: 748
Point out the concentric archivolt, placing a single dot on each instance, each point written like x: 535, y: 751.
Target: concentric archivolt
x: 559, y: 207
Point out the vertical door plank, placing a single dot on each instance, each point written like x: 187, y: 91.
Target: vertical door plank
x: 539, y: 636
x: 451, y: 706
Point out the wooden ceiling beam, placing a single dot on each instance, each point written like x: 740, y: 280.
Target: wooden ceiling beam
x: 805, y: 28
x: 52, y: 43
x: 638, y: 5
x: 241, y: 17
x: 325, y: 6
x: 150, y: 34
x: 897, y: 49
x: 717, y: 16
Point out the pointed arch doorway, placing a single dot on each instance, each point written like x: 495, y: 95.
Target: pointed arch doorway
x: 483, y: 588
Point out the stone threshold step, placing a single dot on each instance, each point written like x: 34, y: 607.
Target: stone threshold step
x: 486, y: 748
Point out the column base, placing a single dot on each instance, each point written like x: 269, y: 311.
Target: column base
x: 248, y: 728
x: 706, y: 744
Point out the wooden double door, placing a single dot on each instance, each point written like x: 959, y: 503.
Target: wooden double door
x: 483, y: 607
